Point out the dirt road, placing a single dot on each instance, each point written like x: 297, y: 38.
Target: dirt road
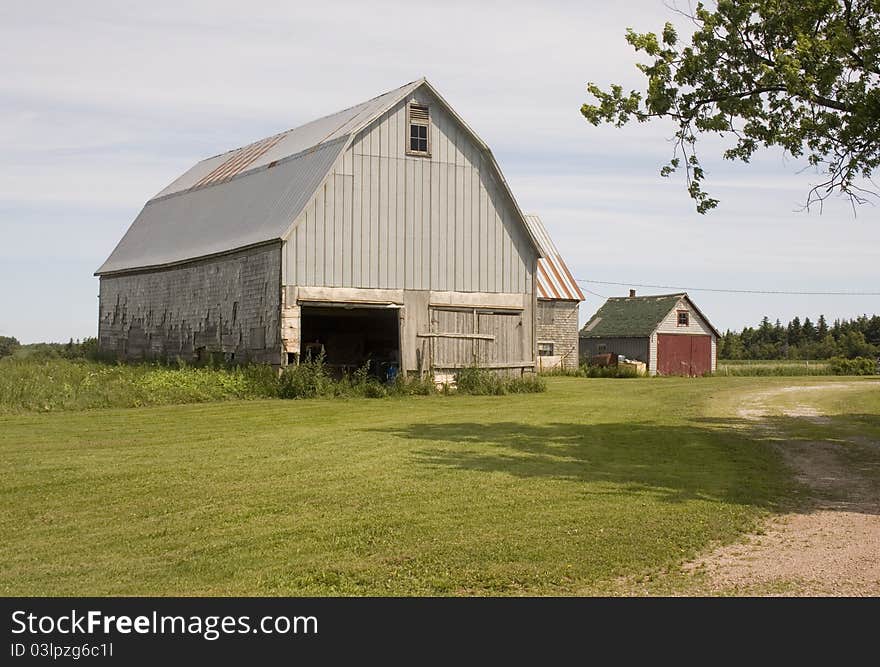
x: 830, y: 545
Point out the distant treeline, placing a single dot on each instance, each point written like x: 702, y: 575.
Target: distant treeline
x: 87, y: 348
x: 804, y: 340
x: 796, y: 340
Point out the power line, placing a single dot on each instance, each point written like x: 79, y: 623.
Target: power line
x: 729, y: 291
x: 588, y: 291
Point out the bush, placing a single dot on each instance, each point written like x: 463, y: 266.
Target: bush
x: 478, y: 381
x: 414, y: 385
x: 482, y: 382
x: 50, y: 384
x: 592, y: 371
x: 8, y: 346
x: 526, y: 384
x: 857, y: 366
x: 77, y: 384
x: 312, y: 379
x: 307, y: 379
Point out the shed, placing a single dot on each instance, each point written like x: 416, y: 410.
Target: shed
x: 559, y: 298
x: 668, y: 332
x: 384, y: 233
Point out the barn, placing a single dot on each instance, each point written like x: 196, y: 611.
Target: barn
x: 667, y: 332
x: 384, y: 233
x: 559, y: 298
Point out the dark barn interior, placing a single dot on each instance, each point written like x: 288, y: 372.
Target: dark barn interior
x: 351, y: 336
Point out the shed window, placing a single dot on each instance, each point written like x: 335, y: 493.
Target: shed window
x: 545, y: 349
x: 683, y: 318
x: 419, y: 120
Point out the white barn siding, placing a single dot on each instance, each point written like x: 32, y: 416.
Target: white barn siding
x: 696, y: 324
x: 440, y: 223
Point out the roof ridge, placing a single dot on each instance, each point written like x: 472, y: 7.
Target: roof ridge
x: 313, y: 120
x: 246, y: 172
x: 309, y: 135
x: 649, y: 296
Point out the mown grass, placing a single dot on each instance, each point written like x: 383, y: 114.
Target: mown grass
x: 553, y: 493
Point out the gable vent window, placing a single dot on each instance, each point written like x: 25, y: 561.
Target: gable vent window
x: 419, y: 121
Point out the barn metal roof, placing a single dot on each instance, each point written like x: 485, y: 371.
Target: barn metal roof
x: 324, y: 130
x: 205, y: 221
x: 253, y: 194
x: 244, y: 197
x: 554, y: 279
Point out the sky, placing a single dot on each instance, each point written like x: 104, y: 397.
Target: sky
x: 102, y: 104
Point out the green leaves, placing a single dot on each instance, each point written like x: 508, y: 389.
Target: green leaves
x: 801, y: 76
x: 614, y: 107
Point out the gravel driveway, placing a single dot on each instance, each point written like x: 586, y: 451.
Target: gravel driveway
x: 831, y: 545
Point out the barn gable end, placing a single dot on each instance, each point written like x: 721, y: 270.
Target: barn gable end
x: 389, y: 220
x: 439, y: 235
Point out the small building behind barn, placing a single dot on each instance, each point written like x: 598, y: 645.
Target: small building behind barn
x: 667, y: 332
x: 382, y: 234
x: 558, y: 300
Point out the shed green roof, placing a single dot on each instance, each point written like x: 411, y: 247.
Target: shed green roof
x: 630, y: 316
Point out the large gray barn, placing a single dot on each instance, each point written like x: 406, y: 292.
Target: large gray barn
x: 385, y: 232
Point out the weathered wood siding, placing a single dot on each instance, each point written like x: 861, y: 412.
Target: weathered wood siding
x: 557, y: 323
x: 503, y: 326
x: 226, y: 306
x: 384, y: 219
x: 696, y: 324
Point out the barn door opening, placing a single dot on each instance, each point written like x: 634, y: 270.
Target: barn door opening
x: 352, y: 336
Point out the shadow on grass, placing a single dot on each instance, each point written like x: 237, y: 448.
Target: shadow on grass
x: 836, y: 456
x: 673, y: 463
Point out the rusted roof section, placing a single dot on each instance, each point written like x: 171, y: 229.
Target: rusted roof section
x: 256, y: 208
x: 225, y: 166
x: 239, y: 161
x: 554, y: 279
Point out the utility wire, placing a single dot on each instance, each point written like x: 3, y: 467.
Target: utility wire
x: 729, y: 291
x: 588, y: 291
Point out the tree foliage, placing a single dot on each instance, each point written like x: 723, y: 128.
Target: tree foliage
x: 8, y: 345
x: 73, y: 349
x: 801, y: 75
x: 845, y: 338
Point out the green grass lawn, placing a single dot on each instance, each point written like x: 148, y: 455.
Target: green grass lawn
x: 554, y: 493
x: 849, y: 418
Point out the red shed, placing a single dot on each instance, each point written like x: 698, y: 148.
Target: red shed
x: 666, y: 331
